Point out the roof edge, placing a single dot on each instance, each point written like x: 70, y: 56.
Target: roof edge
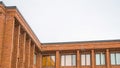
x: 75, y: 42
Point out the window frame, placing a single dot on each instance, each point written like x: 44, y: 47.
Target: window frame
x: 64, y: 57
x: 115, y: 57
x: 100, y: 58
x: 35, y: 58
x: 46, y: 61
x: 85, y: 54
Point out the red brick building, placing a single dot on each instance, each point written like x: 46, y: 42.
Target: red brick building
x: 20, y: 48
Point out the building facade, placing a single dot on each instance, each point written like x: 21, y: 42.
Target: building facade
x: 20, y: 48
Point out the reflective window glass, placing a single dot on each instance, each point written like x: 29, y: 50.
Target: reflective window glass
x: 102, y: 59
x: 48, y: 61
x: 62, y: 60
x: 112, y: 56
x: 118, y: 58
x: 97, y: 59
x: 34, y: 58
x: 83, y: 59
x: 74, y: 60
x: 68, y: 60
x: 115, y: 58
x: 87, y: 59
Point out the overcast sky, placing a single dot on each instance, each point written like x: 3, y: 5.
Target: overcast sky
x: 71, y: 20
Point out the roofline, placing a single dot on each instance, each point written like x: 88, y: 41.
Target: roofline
x: 76, y: 42
x: 7, y: 6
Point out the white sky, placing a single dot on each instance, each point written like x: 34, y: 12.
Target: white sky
x: 71, y: 20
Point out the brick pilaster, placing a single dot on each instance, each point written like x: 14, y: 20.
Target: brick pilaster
x: 78, y: 59
x: 27, y: 53
x: 15, y: 50
x: 22, y: 50
x: 93, y: 58
x: 108, y: 58
x: 57, y: 59
x: 8, y: 42
x: 39, y: 60
x: 2, y: 24
x: 32, y: 51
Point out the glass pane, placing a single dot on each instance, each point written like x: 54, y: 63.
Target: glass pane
x: 112, y: 56
x: 102, y: 59
x: 83, y: 59
x: 73, y: 60
x: 52, y: 60
x: 34, y: 58
x: 68, y: 60
x: 62, y: 60
x: 87, y: 59
x: 44, y: 60
x: 48, y: 61
x: 118, y: 58
x: 97, y: 59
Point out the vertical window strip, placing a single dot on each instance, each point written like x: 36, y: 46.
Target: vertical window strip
x: 68, y: 60
x: 97, y: 59
x: 87, y: 59
x: 46, y: 61
x: 64, y: 60
x: 72, y: 60
x: 115, y: 58
x: 118, y: 58
x: 100, y: 59
x: 83, y: 59
x: 34, y: 58
x: 50, y: 60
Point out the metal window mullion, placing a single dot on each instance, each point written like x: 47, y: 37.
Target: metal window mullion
x: 100, y: 59
x: 46, y: 61
x: 115, y: 59
x: 50, y: 60
x: 71, y: 60
x: 64, y: 60
x: 85, y: 60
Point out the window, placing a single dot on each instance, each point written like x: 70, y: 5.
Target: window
x: 85, y: 59
x: 48, y: 61
x: 115, y: 58
x: 35, y: 58
x: 68, y: 60
x: 100, y: 59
